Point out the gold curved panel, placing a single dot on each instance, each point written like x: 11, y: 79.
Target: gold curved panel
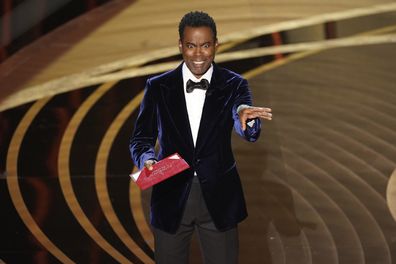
x: 391, y: 194
x: 65, y: 178
x: 52, y: 81
x: 101, y: 183
x: 13, y: 184
x: 135, y: 200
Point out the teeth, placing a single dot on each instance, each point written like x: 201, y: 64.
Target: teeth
x: 198, y: 62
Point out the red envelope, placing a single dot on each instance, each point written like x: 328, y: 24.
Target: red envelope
x: 162, y: 170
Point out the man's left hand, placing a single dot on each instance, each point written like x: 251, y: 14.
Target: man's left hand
x: 254, y: 112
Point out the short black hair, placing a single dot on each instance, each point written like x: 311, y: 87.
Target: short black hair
x: 197, y: 19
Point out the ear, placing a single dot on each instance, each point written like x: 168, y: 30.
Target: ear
x: 180, y: 45
x: 216, y: 44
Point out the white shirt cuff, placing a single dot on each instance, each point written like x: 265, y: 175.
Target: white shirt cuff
x: 241, y: 107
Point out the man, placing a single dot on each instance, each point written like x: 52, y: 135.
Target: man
x: 191, y: 110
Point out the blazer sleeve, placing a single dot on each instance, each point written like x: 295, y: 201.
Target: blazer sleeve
x: 142, y: 143
x: 244, y: 97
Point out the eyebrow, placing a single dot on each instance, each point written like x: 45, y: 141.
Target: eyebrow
x: 190, y: 43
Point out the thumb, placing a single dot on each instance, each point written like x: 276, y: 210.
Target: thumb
x: 243, y: 123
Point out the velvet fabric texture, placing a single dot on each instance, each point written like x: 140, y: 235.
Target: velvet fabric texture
x: 163, y: 116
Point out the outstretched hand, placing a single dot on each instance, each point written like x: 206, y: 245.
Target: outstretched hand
x: 254, y: 112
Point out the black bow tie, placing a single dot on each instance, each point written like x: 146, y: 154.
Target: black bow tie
x: 203, y: 84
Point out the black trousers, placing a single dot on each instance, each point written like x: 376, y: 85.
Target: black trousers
x: 216, y: 247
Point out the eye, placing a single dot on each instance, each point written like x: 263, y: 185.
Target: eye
x: 190, y: 46
x: 206, y: 45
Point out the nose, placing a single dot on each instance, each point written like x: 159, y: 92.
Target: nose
x: 197, y: 51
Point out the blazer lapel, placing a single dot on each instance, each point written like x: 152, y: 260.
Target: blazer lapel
x: 175, y: 103
x: 213, y: 107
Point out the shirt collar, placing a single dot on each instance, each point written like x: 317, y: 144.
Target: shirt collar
x: 188, y: 75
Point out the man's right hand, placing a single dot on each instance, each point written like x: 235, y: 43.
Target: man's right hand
x: 149, y: 164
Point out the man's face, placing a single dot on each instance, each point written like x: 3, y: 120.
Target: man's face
x: 198, y: 48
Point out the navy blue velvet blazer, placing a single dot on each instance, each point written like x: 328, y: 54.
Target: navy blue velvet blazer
x: 163, y: 116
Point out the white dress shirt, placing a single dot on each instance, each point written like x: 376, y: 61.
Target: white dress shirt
x: 195, y: 100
